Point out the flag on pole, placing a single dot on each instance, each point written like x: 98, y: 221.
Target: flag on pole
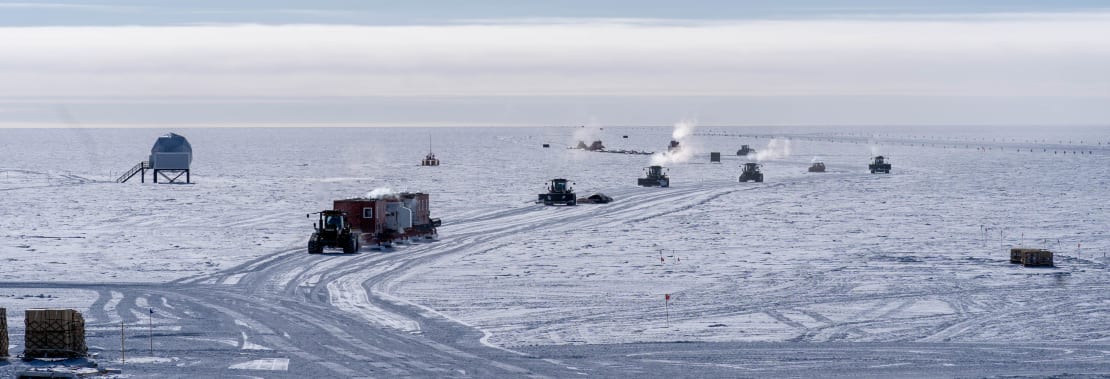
x: 667, y: 297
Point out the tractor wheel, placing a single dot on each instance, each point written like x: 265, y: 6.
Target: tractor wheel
x: 314, y: 246
x: 548, y: 203
x: 351, y: 246
x: 572, y: 202
x: 759, y: 179
x: 872, y: 171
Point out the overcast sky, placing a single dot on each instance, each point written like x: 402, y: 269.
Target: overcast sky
x: 567, y: 62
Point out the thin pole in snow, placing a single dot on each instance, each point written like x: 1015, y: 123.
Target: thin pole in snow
x: 667, y: 307
x: 150, y: 319
x: 122, y: 354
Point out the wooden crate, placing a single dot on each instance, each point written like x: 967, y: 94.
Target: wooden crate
x: 1016, y: 253
x: 3, y: 333
x: 1036, y: 257
x: 52, y: 333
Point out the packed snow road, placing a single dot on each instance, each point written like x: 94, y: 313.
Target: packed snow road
x: 836, y: 274
x: 304, y: 315
x: 291, y: 314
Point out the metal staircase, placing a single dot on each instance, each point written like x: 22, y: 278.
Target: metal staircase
x: 141, y: 167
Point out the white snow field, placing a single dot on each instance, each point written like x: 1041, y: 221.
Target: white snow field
x: 843, y: 273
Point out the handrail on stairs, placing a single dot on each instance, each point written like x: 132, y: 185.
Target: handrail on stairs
x: 139, y: 167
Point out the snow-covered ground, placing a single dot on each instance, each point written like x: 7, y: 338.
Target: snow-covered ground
x: 843, y: 260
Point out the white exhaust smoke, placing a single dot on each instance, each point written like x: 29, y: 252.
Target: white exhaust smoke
x: 586, y: 134
x: 683, y: 129
x: 776, y: 149
x: 381, y: 193
x: 684, y: 152
x: 873, y: 144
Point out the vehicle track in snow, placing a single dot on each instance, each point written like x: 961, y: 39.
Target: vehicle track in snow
x: 284, y: 307
x: 342, y: 315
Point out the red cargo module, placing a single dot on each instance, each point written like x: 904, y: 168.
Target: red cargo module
x: 390, y: 218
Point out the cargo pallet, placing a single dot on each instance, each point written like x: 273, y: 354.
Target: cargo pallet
x: 54, y: 333
x: 1031, y: 257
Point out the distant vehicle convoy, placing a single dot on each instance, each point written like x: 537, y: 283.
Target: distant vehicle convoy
x: 387, y: 219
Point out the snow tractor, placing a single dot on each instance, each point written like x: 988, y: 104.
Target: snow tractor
x: 430, y: 160
x: 594, y: 146
x: 673, y: 146
x: 751, y: 172
x: 332, y: 231
x: 879, y: 164
x: 558, y: 192
x: 745, y: 150
x: 817, y: 167
x: 655, y: 178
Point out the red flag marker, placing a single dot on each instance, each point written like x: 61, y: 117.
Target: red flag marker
x: 667, y: 307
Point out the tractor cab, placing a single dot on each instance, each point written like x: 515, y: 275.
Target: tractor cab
x: 332, y: 231
x: 332, y: 221
x: 559, y: 186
